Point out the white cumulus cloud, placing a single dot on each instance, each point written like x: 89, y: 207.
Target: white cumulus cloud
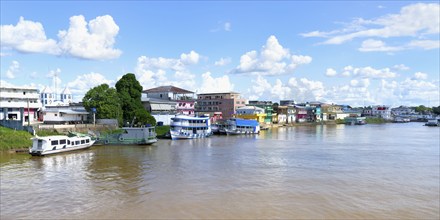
x: 419, y: 21
x: 222, y: 61
x: 86, y: 40
x: 219, y: 84
x: 273, y: 59
x: 27, y: 37
x: 371, y: 45
x: 13, y: 69
x: 364, y: 72
x: 90, y: 40
x: 85, y: 82
x: 152, y: 72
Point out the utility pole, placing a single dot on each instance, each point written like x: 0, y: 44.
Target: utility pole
x: 29, y: 117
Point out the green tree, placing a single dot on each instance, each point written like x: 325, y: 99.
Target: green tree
x: 105, y: 100
x: 423, y: 109
x: 436, y: 110
x: 130, y: 93
x: 143, y: 117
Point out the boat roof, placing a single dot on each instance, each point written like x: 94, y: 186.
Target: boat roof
x: 245, y: 122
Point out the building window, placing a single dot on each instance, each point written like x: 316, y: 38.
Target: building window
x: 160, y: 95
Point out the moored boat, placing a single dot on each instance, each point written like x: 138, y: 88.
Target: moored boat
x: 401, y: 119
x: 242, y: 126
x: 433, y: 122
x: 58, y: 144
x: 219, y: 127
x: 187, y: 127
x: 355, y: 120
x: 132, y: 135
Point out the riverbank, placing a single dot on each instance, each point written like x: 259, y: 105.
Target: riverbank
x: 17, y: 140
x: 14, y: 139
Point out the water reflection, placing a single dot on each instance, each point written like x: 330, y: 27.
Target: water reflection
x: 388, y: 171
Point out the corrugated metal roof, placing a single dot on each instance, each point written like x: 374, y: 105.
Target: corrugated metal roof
x: 71, y: 112
x: 167, y: 89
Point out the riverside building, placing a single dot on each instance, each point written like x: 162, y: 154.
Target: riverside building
x: 225, y: 103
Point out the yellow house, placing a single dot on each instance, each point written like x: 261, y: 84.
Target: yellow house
x: 251, y: 112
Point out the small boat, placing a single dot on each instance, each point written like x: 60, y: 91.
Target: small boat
x: 355, y: 120
x: 242, y: 126
x: 400, y: 119
x: 433, y: 122
x: 188, y: 127
x: 132, y: 135
x: 58, y: 144
x: 219, y: 127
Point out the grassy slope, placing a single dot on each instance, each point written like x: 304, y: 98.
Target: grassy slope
x: 12, y: 139
x: 161, y: 130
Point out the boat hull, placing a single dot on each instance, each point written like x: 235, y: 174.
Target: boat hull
x: 176, y: 136
x: 43, y: 153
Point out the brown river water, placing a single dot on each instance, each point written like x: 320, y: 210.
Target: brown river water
x: 386, y: 171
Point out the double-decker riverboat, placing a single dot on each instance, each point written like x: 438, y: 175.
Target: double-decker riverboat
x: 242, y: 126
x: 58, y: 144
x: 187, y: 127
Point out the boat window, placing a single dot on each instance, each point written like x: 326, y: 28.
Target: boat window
x: 87, y: 141
x: 63, y: 141
x: 54, y: 142
x: 83, y: 141
x: 68, y: 142
x: 76, y: 142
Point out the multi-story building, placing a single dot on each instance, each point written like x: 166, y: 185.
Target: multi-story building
x: 13, y: 99
x: 268, y: 109
x: 164, y: 102
x: 330, y: 112
x: 403, y: 110
x: 215, y: 103
x: 381, y: 111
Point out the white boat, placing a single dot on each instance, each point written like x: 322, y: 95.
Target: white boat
x: 187, y: 127
x: 433, y: 122
x: 59, y: 143
x: 242, y: 126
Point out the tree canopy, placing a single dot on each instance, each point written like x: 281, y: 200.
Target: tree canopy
x: 105, y: 100
x: 130, y: 92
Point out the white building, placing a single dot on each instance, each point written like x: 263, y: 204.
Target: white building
x: 381, y: 111
x: 164, y: 102
x: 65, y: 115
x: 12, y: 99
x: 403, y: 110
x: 50, y: 98
x: 249, y: 110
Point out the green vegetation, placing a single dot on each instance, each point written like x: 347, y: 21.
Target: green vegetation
x: 340, y: 121
x: 130, y: 92
x: 375, y: 120
x: 162, y: 130
x: 423, y: 109
x: 43, y: 133
x: 105, y: 100
x: 436, y: 110
x: 12, y: 139
x: 123, y: 102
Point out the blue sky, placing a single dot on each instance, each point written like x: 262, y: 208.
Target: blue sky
x: 346, y: 52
